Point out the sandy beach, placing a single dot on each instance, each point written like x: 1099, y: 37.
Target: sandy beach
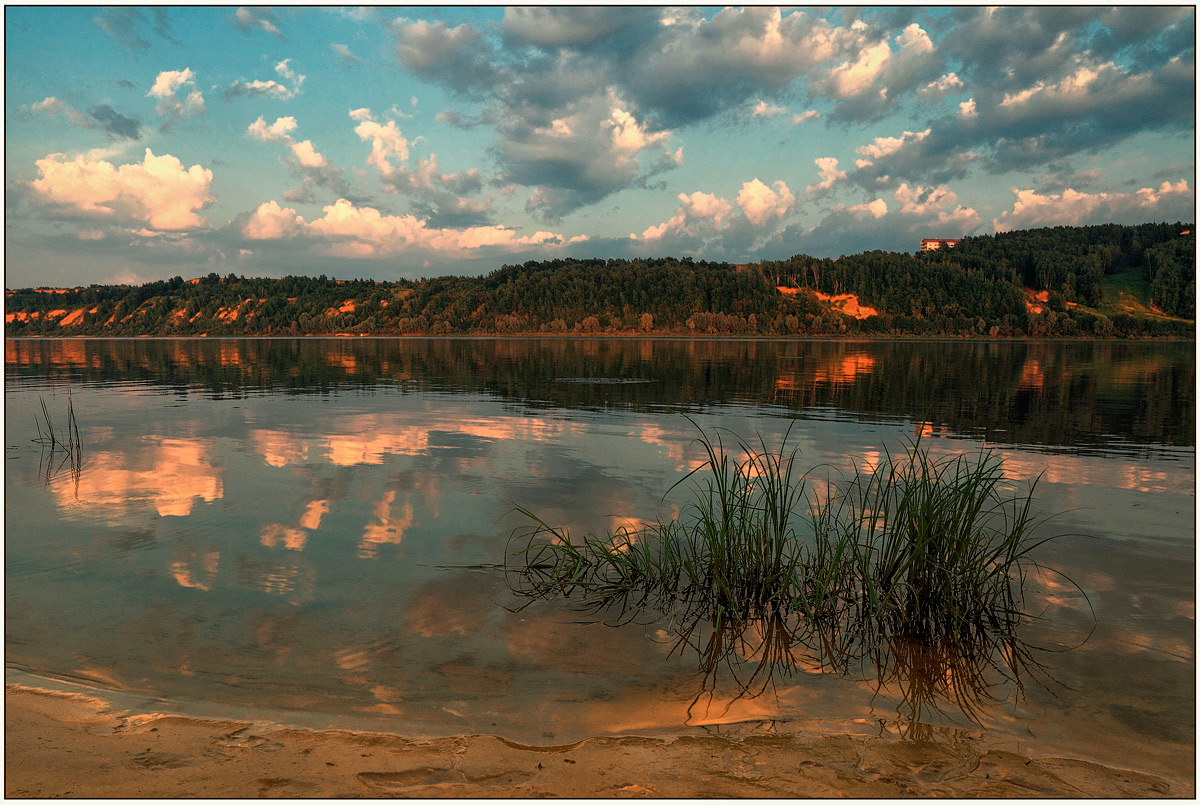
x: 72, y: 745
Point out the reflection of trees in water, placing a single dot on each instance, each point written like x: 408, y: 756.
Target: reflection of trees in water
x: 1053, y: 393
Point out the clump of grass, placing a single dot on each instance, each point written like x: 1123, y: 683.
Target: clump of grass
x: 918, y: 550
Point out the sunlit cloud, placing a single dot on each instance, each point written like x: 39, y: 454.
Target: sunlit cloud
x: 157, y: 192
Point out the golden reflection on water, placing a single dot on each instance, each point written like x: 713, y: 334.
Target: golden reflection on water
x: 400, y: 485
x: 388, y: 528
x: 167, y: 474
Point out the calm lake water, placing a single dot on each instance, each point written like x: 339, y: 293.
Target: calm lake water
x: 281, y: 526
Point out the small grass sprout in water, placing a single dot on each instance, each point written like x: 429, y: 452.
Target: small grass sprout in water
x: 66, y: 440
x: 918, y: 549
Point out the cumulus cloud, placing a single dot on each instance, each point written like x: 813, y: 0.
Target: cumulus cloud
x: 364, y: 232
x: 827, y: 169
x: 1170, y: 200
x: 158, y: 192
x: 697, y: 213
x: 760, y: 203
x: 877, y: 208
x: 165, y: 87
x: 310, y: 165
x: 459, y: 58
x: 580, y: 27
x: 269, y: 88
x: 387, y: 143
x: 595, y: 148
x: 707, y: 225
x: 547, y: 88
x: 885, y: 146
x: 439, y: 197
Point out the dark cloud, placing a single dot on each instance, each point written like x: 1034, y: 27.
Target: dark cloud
x: 622, y: 29
x: 102, y: 117
x: 116, y: 124
x: 1040, y: 78
x: 458, y: 58
x: 162, y: 25
x: 121, y: 24
x: 259, y: 19
x: 458, y: 120
x: 124, y: 23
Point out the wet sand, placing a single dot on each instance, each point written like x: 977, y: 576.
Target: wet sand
x: 68, y: 744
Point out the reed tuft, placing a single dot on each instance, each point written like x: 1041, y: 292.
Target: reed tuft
x: 919, y: 547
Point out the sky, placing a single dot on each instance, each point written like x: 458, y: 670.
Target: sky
x: 142, y: 144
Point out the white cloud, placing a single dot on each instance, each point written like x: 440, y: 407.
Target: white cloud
x: 804, y: 117
x: 884, y: 146
x: 307, y: 154
x: 629, y: 137
x: 170, y: 80
x: 877, y: 208
x: 937, y: 206
x: 269, y: 88
x: 277, y: 132
x: 947, y: 84
x: 284, y: 69
x: 269, y: 221
x: 362, y: 232
x: 853, y: 78
x: 1072, y: 207
x: 827, y: 169
x: 309, y: 163
x: 764, y: 109
x: 166, y: 85
x: 697, y: 213
x: 280, y: 132
x: 967, y: 108
x: 760, y: 203
x: 387, y: 142
x: 158, y: 192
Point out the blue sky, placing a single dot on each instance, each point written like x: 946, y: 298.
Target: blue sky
x: 142, y: 144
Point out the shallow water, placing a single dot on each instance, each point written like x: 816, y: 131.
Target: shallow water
x: 282, y: 525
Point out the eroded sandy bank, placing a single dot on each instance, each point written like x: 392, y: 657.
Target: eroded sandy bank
x: 70, y: 745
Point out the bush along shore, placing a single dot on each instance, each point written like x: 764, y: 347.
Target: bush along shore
x: 914, y: 567
x: 1099, y: 281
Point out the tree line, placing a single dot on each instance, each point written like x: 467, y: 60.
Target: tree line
x: 976, y: 288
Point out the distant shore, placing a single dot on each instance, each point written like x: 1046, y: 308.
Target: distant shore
x: 624, y: 336
x: 71, y: 745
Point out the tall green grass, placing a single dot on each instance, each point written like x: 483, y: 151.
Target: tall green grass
x: 921, y: 550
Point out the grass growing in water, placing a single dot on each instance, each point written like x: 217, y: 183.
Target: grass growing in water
x: 67, y: 440
x: 917, y: 552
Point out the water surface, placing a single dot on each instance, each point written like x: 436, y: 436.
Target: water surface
x: 283, y: 525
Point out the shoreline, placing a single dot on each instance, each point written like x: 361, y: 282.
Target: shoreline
x: 839, y: 337
x: 76, y: 745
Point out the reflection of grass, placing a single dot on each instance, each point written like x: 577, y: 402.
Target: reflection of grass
x: 66, y: 440
x: 919, y: 551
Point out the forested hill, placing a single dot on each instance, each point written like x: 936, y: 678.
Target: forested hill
x: 1102, y: 280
